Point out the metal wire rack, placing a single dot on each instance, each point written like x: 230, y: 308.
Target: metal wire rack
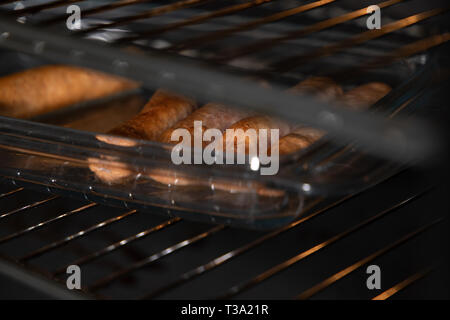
x: 120, y: 257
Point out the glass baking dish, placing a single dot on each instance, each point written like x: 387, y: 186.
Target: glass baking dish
x: 65, y: 160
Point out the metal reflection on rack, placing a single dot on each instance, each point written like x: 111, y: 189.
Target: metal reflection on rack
x: 154, y: 257
x: 119, y: 244
x: 45, y: 223
x: 28, y: 206
x: 66, y: 240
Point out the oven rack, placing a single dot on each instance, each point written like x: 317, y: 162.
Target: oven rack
x: 119, y: 263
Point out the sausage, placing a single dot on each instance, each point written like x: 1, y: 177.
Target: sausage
x: 241, y: 141
x: 358, y: 98
x: 162, y: 111
x: 325, y: 89
x: 218, y: 117
x: 212, y: 115
x: 39, y: 90
x: 298, y: 139
x: 365, y: 96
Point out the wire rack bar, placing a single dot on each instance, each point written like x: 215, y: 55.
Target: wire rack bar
x: 66, y: 240
x: 403, y: 284
x: 118, y: 245
x: 154, y: 257
x: 45, y: 223
x: 28, y: 206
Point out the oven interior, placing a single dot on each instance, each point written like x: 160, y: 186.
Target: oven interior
x: 397, y: 221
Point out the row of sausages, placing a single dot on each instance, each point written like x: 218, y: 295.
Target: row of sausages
x: 45, y: 89
x: 166, y: 112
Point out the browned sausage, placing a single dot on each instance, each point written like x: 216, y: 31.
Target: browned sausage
x: 365, y: 96
x: 162, y: 111
x: 44, y: 89
x: 298, y: 139
x: 212, y: 115
x: 241, y: 141
x: 323, y: 88
x: 218, y: 117
x: 358, y: 98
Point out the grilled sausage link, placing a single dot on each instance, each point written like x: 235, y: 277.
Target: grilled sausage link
x: 365, y: 96
x: 162, y: 111
x: 325, y: 89
x: 298, y: 139
x: 358, y: 98
x: 39, y: 90
x: 212, y: 115
x: 240, y: 140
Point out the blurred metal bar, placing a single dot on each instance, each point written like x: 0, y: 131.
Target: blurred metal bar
x: 217, y: 35
x: 316, y: 27
x: 102, y: 8
x: 295, y: 61
x: 196, y: 19
x: 146, y: 14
